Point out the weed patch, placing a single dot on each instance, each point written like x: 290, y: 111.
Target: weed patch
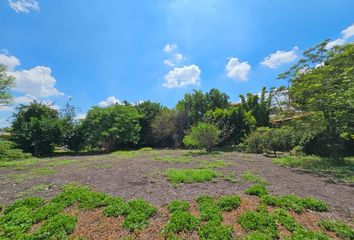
x: 215, y: 231
x: 209, y: 209
x: 214, y: 164
x: 228, y: 203
x: 181, y: 221
x: 177, y: 176
x: 182, y: 159
x: 137, y: 212
x: 302, y: 233
x: 60, y: 162
x: 178, y: 205
x: 259, y: 221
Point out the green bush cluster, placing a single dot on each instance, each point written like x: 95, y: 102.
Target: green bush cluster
x: 248, y: 176
x: 215, y: 231
x: 8, y: 152
x: 228, y: 203
x: 297, y: 204
x: 178, y: 205
x: 181, y: 221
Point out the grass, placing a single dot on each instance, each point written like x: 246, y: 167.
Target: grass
x: 19, y: 163
x: 182, y: 159
x: 176, y: 176
x: 125, y: 154
x: 248, y: 176
x: 229, y: 177
x: 339, y: 170
x: 60, y: 162
x: 36, y: 172
x: 35, y: 189
x: 214, y: 164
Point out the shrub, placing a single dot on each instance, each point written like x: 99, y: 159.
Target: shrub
x: 301, y: 233
x: 189, y: 175
x: 209, y: 210
x: 8, y: 152
x: 30, y: 202
x: 257, y: 190
x: 202, y: 135
x: 181, y: 221
x: 286, y: 220
x: 204, y: 198
x: 140, y: 205
x: 342, y: 230
x: 227, y: 203
x: 259, y: 221
x: 178, y: 206
x: 135, y: 220
x: 215, y: 231
x: 257, y: 235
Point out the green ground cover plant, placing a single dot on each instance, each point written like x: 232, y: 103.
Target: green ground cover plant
x: 209, y: 209
x: 228, y: 203
x: 339, y: 228
x: 180, y: 159
x: 215, y: 231
x: 178, y: 205
x: 339, y: 170
x: 181, y: 221
x: 257, y: 190
x: 191, y: 175
x: 297, y: 204
x: 248, y: 176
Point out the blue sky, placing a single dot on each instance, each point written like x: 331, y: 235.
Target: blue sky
x: 100, y: 52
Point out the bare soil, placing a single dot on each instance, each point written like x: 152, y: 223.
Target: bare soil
x: 140, y: 175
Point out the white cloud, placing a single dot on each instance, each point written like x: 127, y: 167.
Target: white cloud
x: 170, y: 47
x: 24, y: 99
x: 237, y: 70
x: 9, y: 61
x: 337, y: 42
x: 81, y: 116
x: 348, y: 32
x: 183, y: 76
x: 37, y: 82
x: 178, y: 57
x: 278, y: 58
x: 6, y: 108
x: 169, y: 63
x: 109, y: 101
x: 24, y: 5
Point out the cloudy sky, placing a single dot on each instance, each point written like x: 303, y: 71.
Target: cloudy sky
x: 102, y: 52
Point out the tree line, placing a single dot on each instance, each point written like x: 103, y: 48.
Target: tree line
x: 313, y: 114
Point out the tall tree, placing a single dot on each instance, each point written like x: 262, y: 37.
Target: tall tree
x: 6, y: 82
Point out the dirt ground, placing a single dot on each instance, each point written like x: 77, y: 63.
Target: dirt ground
x: 139, y: 174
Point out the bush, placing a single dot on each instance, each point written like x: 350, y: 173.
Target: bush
x: 228, y: 203
x: 8, y: 151
x: 209, y: 210
x: 257, y: 190
x: 202, y: 135
x: 286, y: 220
x: 301, y: 233
x: 137, y: 212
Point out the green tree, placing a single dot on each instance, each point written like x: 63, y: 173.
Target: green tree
x: 36, y: 128
x: 163, y: 127
x: 148, y: 110
x: 6, y: 82
x: 323, y: 81
x: 203, y: 135
x: 112, y: 126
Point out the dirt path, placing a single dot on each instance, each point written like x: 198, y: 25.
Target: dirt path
x: 140, y: 175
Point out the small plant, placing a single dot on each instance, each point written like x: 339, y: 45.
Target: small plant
x: 251, y: 177
x: 259, y: 221
x: 215, y: 231
x: 31, y: 203
x: 135, y: 221
x: 341, y: 229
x: 286, y: 220
x: 214, y: 164
x: 257, y: 235
x: 90, y: 200
x: 116, y: 208
x: 178, y: 206
x: 257, y: 190
x: 182, y: 159
x: 204, y: 198
x: 209, y: 210
x: 177, y: 176
x: 181, y: 221
x: 228, y: 203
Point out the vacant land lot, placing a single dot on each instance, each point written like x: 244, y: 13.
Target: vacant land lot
x: 146, y: 174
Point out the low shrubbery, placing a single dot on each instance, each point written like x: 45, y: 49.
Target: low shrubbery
x: 177, y: 176
x: 257, y: 190
x: 339, y: 228
x: 8, y: 152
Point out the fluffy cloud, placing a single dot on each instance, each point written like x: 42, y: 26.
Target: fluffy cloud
x: 183, y: 76
x: 278, y: 58
x: 24, y: 5
x: 168, y: 63
x: 109, y: 101
x: 37, y: 82
x: 6, y: 108
x: 170, y: 47
x: 346, y: 34
x: 9, y: 61
x: 81, y: 116
x: 237, y: 70
x: 24, y: 99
